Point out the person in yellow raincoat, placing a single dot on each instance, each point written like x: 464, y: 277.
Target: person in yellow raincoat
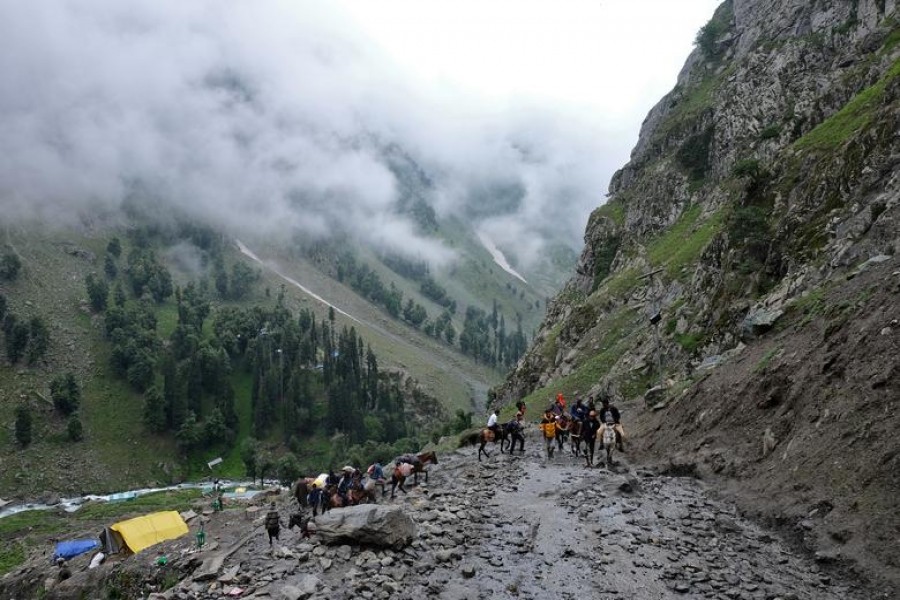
x: 548, y: 427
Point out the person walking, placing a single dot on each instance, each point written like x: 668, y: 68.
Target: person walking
x: 589, y: 437
x: 273, y: 523
x: 579, y: 411
x: 548, y: 427
x: 562, y: 431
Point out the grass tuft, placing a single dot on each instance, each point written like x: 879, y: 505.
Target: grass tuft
x: 683, y: 243
x: 11, y: 556
x: 855, y: 116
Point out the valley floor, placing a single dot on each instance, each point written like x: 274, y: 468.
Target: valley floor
x: 514, y: 527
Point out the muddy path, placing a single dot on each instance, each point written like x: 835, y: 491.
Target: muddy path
x: 518, y: 527
x: 539, y: 528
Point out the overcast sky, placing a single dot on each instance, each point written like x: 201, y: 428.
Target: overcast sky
x: 271, y: 116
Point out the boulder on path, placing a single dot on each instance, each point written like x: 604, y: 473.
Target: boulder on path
x: 367, y: 524
x: 308, y: 586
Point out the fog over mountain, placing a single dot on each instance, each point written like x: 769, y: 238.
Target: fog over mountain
x: 270, y: 118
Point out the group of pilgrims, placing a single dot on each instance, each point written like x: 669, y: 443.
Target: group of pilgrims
x: 582, y: 424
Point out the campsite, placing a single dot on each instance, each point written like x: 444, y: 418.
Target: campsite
x: 157, y: 525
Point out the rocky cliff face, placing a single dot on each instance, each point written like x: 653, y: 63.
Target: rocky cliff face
x: 760, y: 188
x: 768, y: 168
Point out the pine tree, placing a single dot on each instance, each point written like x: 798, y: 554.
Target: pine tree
x: 114, y: 247
x: 119, y: 296
x: 109, y: 267
x: 98, y: 292
x: 371, y: 379
x: 189, y: 434
x: 16, y: 338
x: 23, y: 425
x: 66, y: 393
x: 154, y: 410
x: 39, y: 340
x: 215, y: 429
x: 250, y: 455
x: 10, y: 265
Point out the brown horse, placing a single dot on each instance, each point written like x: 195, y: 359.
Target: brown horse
x: 575, y: 436
x: 487, y: 435
x: 354, y: 496
x: 300, y: 490
x: 417, y: 462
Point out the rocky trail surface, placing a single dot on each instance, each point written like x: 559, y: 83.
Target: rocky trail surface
x: 511, y: 527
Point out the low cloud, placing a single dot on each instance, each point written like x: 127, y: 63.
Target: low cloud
x: 268, y: 118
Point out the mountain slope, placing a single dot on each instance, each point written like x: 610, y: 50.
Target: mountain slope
x: 757, y: 189
x: 117, y: 450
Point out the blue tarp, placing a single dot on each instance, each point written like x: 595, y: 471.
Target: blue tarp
x: 73, y: 548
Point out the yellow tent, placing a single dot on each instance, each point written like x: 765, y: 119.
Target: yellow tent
x: 143, y: 532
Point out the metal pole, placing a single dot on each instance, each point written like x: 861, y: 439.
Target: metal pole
x: 281, y: 380
x: 655, y: 319
x: 659, y: 365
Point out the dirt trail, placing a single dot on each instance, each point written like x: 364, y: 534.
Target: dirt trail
x: 554, y: 528
x: 518, y: 527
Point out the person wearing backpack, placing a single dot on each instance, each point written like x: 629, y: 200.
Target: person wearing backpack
x: 272, y: 523
x: 548, y: 426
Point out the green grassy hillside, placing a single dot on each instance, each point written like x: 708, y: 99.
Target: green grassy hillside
x: 117, y: 452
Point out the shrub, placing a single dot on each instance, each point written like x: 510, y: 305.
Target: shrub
x: 770, y: 132
x: 748, y: 229
x: 689, y: 341
x: 604, y: 257
x: 694, y: 154
x: 708, y: 35
x: 749, y: 167
x: 10, y: 265
x: 65, y: 393
x: 74, y: 429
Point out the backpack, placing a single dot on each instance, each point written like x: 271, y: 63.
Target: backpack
x: 272, y: 520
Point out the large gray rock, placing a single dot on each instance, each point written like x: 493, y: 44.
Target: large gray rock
x: 759, y: 321
x: 307, y: 586
x: 367, y: 524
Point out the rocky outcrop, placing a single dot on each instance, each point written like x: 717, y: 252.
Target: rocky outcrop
x: 763, y: 188
x: 769, y: 169
x: 367, y: 524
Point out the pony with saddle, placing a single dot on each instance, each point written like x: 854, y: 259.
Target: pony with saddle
x: 575, y: 436
x: 310, y: 493
x: 508, y: 434
x: 410, y: 464
x: 353, y: 496
x: 489, y: 435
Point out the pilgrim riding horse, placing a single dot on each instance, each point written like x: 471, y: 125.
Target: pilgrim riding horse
x: 410, y: 464
x: 490, y: 435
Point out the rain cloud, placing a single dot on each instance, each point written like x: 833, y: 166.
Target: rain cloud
x: 269, y: 118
